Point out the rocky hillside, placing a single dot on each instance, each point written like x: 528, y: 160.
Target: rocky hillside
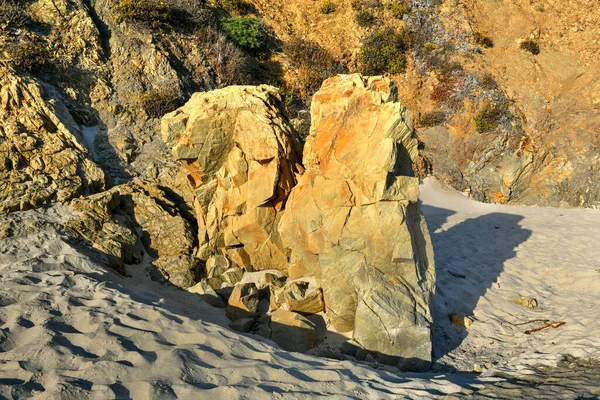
x: 504, y: 94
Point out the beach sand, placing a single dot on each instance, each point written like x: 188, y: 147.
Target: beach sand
x: 71, y: 329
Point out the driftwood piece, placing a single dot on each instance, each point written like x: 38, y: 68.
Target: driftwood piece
x: 546, y: 322
x: 548, y: 325
x: 457, y: 275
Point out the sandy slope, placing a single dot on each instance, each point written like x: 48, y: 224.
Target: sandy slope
x: 505, y: 252
x: 69, y: 329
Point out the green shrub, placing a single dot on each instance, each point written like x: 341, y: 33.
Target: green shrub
x: 159, y: 102
x: 327, y: 7
x: 14, y: 14
x: 483, y: 40
x: 28, y: 55
x: 384, y: 51
x: 488, y: 82
x: 233, y: 6
x: 365, y: 18
x: 430, y: 46
x: 487, y: 119
x: 356, y: 5
x: 312, y: 64
x: 531, y: 46
x: 141, y: 11
x: 397, y: 9
x: 247, y: 32
x: 433, y: 118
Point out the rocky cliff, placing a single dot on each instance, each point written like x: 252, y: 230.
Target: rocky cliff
x: 43, y: 157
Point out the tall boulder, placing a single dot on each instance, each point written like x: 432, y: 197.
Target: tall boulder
x: 354, y: 220
x: 241, y: 157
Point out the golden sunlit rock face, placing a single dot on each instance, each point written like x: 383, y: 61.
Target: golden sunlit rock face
x: 43, y: 157
x: 354, y: 221
x: 242, y: 159
x: 348, y: 216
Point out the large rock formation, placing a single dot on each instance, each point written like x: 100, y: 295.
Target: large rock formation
x: 110, y: 222
x: 354, y: 220
x: 241, y: 157
x: 43, y: 158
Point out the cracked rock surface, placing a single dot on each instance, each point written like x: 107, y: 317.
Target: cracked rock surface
x: 354, y: 220
x: 348, y: 217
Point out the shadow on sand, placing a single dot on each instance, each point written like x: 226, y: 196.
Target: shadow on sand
x: 475, y: 248
x: 469, y: 257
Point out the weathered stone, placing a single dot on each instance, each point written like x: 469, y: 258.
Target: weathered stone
x: 220, y: 272
x: 216, y: 283
x: 119, y: 241
x: 525, y: 301
x: 97, y: 225
x: 460, y: 320
x: 216, y: 266
x: 179, y: 269
x: 242, y: 325
x: 353, y: 220
x: 266, y: 278
x: 232, y: 275
x: 207, y: 294
x: 241, y: 157
x: 243, y: 302
x: 166, y: 234
x: 292, y: 331
x: 300, y: 295
x: 108, y: 221
x: 271, y: 279
x: 43, y: 158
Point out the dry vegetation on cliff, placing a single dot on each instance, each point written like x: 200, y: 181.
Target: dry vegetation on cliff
x: 447, y: 59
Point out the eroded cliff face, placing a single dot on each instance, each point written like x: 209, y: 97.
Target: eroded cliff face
x: 114, y: 78
x: 81, y: 94
x: 43, y: 157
